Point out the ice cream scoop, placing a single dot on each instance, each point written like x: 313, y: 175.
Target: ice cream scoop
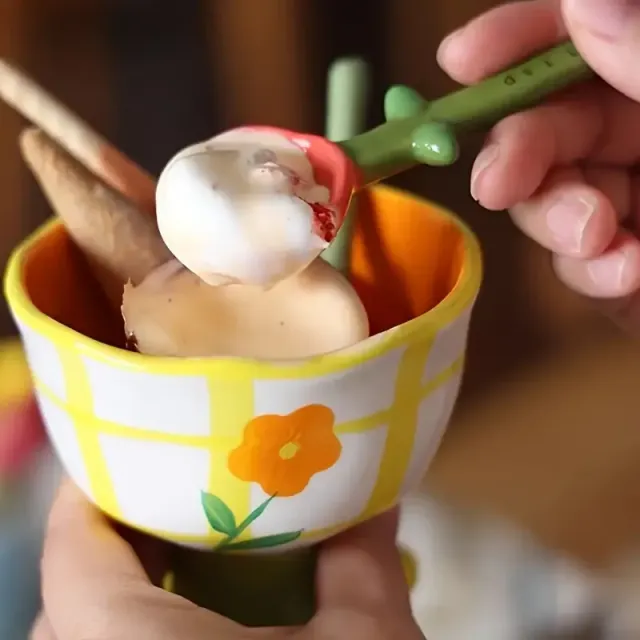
x: 246, y: 207
x: 173, y: 314
x: 256, y: 205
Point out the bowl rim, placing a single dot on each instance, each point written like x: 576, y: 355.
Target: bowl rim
x: 461, y: 297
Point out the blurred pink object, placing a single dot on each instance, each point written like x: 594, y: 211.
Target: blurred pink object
x: 21, y: 435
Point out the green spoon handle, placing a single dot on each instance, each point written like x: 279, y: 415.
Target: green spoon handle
x: 512, y: 90
x: 429, y: 137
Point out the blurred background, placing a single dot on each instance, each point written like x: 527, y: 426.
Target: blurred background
x: 546, y: 430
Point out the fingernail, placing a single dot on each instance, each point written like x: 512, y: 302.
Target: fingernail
x: 608, y: 18
x: 609, y: 271
x: 484, y: 160
x: 567, y: 220
x: 447, y: 42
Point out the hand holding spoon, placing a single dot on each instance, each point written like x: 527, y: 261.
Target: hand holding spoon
x: 258, y: 204
x: 257, y: 212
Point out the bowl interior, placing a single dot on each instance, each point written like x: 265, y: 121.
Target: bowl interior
x: 408, y: 255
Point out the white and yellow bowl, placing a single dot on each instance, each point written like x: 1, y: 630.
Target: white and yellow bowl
x: 287, y: 453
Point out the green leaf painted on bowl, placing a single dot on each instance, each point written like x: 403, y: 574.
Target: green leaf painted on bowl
x: 218, y: 514
x: 263, y: 543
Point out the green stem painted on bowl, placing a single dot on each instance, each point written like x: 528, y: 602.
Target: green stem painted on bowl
x: 222, y: 520
x: 429, y: 137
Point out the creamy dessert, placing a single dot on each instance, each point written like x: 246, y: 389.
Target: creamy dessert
x: 175, y: 313
x: 228, y: 265
x: 244, y: 208
x: 169, y: 309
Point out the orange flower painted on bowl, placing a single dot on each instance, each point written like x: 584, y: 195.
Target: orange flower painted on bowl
x: 283, y: 453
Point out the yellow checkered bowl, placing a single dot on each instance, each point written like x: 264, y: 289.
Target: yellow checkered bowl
x: 245, y: 454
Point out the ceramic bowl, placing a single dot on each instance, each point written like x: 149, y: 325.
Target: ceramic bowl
x: 244, y: 454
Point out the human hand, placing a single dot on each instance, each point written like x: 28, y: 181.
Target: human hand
x: 566, y: 170
x: 96, y: 584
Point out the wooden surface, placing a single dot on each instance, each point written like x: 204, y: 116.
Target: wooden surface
x: 269, y: 38
x: 546, y: 430
x: 557, y: 449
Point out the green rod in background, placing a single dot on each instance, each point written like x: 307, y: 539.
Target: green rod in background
x: 348, y: 85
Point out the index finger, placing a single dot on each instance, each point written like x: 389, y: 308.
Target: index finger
x: 360, y: 577
x: 501, y: 37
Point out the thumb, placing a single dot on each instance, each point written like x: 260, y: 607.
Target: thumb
x: 607, y: 34
x: 361, y: 569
